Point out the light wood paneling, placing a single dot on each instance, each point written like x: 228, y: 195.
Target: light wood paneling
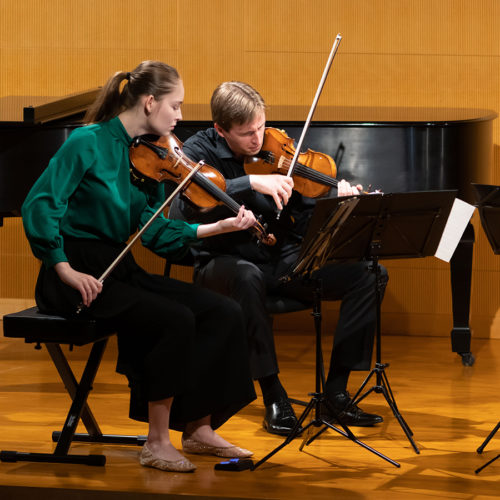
x: 211, y: 46
x: 450, y: 27
x: 19, y: 268
x: 53, y: 73
x: 89, y: 24
x: 60, y: 47
x: 378, y: 79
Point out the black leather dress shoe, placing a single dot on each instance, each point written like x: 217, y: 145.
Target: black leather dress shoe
x: 349, y: 413
x: 280, y: 418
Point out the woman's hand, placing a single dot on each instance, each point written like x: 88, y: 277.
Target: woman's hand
x: 244, y: 220
x: 87, y: 285
x: 345, y: 189
x: 278, y: 186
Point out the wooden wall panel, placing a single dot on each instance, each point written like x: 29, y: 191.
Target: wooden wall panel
x: 60, y: 46
x: 211, y: 46
x: 394, y: 53
x: 87, y: 24
x: 447, y: 27
x: 18, y: 267
x: 377, y: 80
x: 55, y: 74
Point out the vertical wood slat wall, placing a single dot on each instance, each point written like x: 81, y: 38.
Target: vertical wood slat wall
x: 393, y: 53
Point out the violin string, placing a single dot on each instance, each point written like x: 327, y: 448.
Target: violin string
x: 311, y: 174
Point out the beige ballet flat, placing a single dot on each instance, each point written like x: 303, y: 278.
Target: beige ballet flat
x: 190, y: 445
x: 147, y: 459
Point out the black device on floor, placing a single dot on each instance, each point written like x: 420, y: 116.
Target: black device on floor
x: 235, y: 464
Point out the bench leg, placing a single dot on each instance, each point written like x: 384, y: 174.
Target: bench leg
x: 60, y: 454
x: 80, y: 399
x: 70, y: 383
x: 94, y: 434
x: 79, y: 392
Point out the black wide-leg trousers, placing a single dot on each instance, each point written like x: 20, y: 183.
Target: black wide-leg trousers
x: 352, y: 282
x: 175, y: 339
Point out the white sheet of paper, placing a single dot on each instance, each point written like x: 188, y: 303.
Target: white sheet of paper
x: 460, y: 215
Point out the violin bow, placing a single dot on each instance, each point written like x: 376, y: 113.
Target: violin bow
x: 167, y: 202
x: 335, y: 47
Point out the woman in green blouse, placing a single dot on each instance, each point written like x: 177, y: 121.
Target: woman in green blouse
x: 182, y: 348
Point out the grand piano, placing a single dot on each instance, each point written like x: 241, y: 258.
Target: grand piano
x: 406, y: 149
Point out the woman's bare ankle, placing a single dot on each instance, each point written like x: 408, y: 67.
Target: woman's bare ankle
x: 164, y: 449
x: 206, y: 436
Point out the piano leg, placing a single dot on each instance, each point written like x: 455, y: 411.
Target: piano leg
x: 461, y: 274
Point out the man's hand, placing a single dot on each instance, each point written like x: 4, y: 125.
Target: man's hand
x: 345, y: 189
x: 278, y: 186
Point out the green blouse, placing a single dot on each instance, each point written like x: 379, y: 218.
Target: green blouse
x: 86, y: 192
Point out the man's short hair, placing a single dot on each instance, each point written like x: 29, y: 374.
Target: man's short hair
x: 235, y: 103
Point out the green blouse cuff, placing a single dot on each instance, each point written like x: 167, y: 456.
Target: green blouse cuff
x: 54, y: 256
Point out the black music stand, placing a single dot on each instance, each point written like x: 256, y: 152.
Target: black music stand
x: 315, y: 251
x: 481, y: 448
x: 488, y: 203
x: 400, y: 225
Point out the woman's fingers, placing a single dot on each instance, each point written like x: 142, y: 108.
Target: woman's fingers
x: 88, y: 286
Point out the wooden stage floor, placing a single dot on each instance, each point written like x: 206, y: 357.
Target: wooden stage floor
x: 450, y: 408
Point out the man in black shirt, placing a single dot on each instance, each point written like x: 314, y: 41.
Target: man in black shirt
x: 237, y: 266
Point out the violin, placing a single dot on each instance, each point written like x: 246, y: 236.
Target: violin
x: 163, y: 160
x: 313, y: 175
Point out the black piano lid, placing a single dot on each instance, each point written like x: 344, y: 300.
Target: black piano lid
x: 32, y: 128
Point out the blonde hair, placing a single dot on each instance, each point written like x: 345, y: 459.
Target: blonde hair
x: 149, y: 78
x: 235, y: 103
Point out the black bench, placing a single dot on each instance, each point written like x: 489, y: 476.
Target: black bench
x: 52, y: 331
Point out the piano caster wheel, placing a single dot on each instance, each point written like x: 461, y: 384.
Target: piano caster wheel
x: 467, y: 358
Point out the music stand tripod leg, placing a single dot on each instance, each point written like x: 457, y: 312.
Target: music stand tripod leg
x: 477, y: 471
x: 318, y: 398
x: 382, y: 382
x: 293, y: 434
x: 383, y: 386
x: 485, y: 442
x: 488, y: 438
x: 313, y: 403
x: 347, y: 433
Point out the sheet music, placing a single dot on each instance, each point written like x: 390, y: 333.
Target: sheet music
x: 316, y: 253
x: 459, y: 217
